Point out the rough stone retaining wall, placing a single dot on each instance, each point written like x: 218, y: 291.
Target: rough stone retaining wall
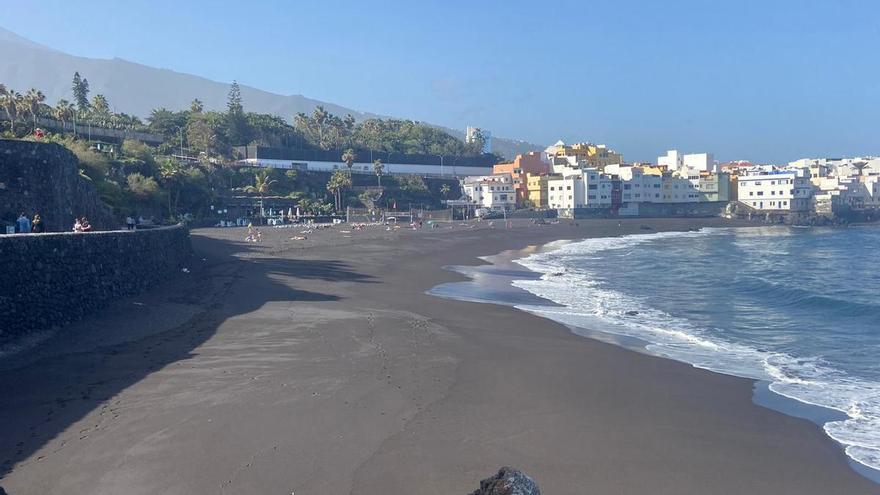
x: 44, y: 178
x: 47, y: 280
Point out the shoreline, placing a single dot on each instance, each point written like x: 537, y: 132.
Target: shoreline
x: 476, y: 288
x: 323, y: 366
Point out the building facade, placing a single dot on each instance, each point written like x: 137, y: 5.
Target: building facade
x: 585, y: 155
x: 494, y: 191
x: 529, y: 164
x: 777, y: 191
x: 537, y: 190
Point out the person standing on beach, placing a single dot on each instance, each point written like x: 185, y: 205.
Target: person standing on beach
x: 37, y: 225
x: 24, y: 224
x: 129, y: 222
x: 77, y: 225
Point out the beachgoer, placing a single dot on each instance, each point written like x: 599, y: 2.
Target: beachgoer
x: 129, y: 222
x: 86, y: 226
x: 77, y: 225
x: 24, y: 224
x: 37, y: 227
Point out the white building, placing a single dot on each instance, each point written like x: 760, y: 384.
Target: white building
x: 778, y: 191
x: 838, y: 167
x: 674, y: 161
x: 490, y: 191
x: 677, y: 189
x: 636, y: 185
x: 587, y: 189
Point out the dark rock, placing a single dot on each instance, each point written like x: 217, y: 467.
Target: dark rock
x: 508, y: 481
x: 44, y: 178
x: 632, y: 313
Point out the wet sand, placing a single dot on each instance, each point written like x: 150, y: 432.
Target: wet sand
x: 321, y: 366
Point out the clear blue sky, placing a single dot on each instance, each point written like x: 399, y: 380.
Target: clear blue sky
x: 762, y: 80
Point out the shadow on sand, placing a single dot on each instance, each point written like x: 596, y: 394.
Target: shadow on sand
x: 43, y: 398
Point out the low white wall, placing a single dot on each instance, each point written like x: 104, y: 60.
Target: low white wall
x: 363, y: 167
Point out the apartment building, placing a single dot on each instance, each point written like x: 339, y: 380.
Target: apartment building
x: 777, y: 191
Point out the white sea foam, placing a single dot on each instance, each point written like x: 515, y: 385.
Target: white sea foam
x: 590, y: 304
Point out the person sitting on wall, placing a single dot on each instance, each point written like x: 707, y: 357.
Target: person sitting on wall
x: 86, y: 226
x: 37, y: 225
x: 24, y: 224
x: 77, y: 225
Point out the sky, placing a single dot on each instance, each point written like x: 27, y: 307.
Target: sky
x: 768, y: 81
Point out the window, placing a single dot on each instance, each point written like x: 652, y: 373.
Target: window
x: 568, y: 188
x: 592, y: 187
x: 591, y: 196
x: 760, y: 193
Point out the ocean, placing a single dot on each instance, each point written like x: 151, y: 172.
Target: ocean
x: 796, y: 309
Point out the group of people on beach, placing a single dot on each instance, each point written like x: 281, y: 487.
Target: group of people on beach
x: 253, y: 235
x: 82, y: 225
x: 25, y: 225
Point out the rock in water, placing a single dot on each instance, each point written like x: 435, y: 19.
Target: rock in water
x: 508, y: 481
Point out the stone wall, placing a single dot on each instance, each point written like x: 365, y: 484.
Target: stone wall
x: 44, y: 178
x: 47, y: 280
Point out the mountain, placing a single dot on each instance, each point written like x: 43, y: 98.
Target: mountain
x: 137, y: 89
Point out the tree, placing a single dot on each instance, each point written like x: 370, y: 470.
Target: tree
x: 12, y: 102
x: 81, y: 92
x: 444, y: 190
x: 197, y: 106
x: 378, y: 167
x: 32, y: 100
x: 101, y: 108
x: 236, y: 123
x: 199, y: 133
x: 476, y: 142
x: 349, y: 157
x: 63, y: 110
x: 337, y: 183
x: 262, y: 184
x: 141, y: 186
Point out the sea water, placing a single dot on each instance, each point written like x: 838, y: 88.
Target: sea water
x: 797, y: 308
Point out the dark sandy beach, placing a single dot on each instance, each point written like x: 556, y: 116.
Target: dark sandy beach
x: 321, y: 366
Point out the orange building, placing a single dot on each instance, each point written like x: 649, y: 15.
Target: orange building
x: 531, y: 164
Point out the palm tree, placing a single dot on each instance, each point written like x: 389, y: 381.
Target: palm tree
x: 444, y: 190
x: 12, y: 103
x: 378, y: 167
x: 262, y: 184
x: 338, y: 181
x: 349, y: 157
x: 32, y: 99
x: 63, y: 110
x: 171, y: 171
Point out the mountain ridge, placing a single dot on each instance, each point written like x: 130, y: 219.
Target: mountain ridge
x: 137, y: 88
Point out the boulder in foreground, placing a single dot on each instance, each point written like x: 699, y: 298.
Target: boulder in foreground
x: 508, y: 481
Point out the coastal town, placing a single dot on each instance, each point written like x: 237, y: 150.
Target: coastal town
x: 409, y: 248
x: 584, y: 180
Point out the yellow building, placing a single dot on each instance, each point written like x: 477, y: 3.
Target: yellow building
x: 537, y: 190
x: 596, y: 155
